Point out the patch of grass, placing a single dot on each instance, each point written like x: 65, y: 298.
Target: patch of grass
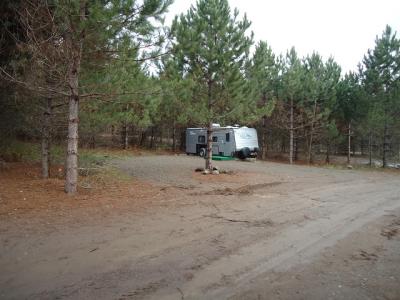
x: 15, y: 151
x: 18, y: 151
x: 90, y: 160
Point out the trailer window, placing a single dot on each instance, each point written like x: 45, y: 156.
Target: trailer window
x: 201, y: 139
x: 215, y: 139
x: 227, y: 137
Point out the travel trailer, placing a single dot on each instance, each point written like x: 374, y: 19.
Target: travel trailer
x: 232, y: 141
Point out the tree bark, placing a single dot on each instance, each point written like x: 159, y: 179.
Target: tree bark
x: 143, y: 137
x: 349, y: 144
x: 312, y: 133
x: 113, y: 139
x: 92, y: 142
x: 152, y: 138
x: 126, y: 136
x: 209, y: 147
x: 160, y: 137
x: 385, y: 145
x: 173, y: 137
x: 210, y: 128
x: 328, y: 150
x: 264, y: 138
x: 126, y: 130
x: 291, y: 133
x: 370, y: 148
x: 75, y: 41
x: 47, y: 115
x: 264, y: 130
x: 71, y: 166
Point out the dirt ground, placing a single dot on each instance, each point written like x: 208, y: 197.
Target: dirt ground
x: 262, y: 231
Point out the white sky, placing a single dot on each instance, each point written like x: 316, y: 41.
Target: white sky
x: 342, y: 29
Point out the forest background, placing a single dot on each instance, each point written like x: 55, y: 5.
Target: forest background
x: 112, y: 74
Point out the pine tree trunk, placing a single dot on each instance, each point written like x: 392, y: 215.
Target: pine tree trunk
x: 143, y: 138
x: 71, y: 166
x: 328, y: 150
x: 210, y: 128
x: 112, y: 134
x: 362, y: 147
x: 209, y: 148
x: 310, y: 145
x: 126, y: 136
x: 182, y: 141
x: 92, y: 141
x: 126, y: 130
x: 173, y: 137
x: 152, y: 138
x: 385, y: 145
x: 160, y: 137
x: 312, y: 133
x: 47, y: 115
x: 349, y: 144
x: 291, y: 133
x: 370, y: 148
x: 75, y: 45
x: 264, y: 138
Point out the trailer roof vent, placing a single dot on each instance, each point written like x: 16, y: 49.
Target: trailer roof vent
x: 236, y: 125
x: 216, y: 125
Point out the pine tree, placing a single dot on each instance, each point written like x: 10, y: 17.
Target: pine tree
x: 211, y: 46
x: 381, y: 80
x: 175, y: 109
x: 351, y: 106
x: 292, y: 93
x: 70, y: 36
x: 319, y: 100
x: 263, y: 74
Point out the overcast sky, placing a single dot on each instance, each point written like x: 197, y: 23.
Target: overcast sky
x: 344, y: 29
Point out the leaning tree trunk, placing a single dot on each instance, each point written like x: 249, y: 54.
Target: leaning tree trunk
x: 209, y: 147
x: 46, y: 127
x: 291, y: 133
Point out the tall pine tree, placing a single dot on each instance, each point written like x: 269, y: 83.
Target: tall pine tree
x: 211, y: 46
x: 381, y: 80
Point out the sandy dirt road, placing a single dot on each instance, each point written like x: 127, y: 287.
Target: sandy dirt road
x: 268, y: 231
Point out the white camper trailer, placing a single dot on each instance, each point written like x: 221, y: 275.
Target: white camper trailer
x: 235, y: 141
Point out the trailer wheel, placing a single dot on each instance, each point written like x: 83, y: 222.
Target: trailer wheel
x: 244, y: 153
x: 202, y: 152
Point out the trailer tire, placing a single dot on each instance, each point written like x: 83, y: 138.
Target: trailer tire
x: 244, y: 153
x: 202, y: 152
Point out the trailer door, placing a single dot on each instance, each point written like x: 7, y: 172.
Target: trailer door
x: 226, y: 143
x: 215, y: 145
